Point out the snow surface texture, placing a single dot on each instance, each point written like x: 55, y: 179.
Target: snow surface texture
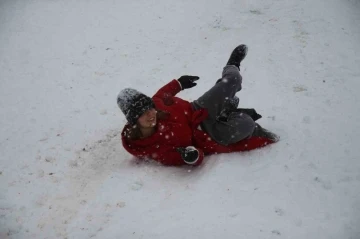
x: 64, y: 174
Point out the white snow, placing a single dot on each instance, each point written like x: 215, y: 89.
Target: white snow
x: 64, y: 173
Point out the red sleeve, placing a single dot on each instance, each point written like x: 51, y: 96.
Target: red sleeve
x: 168, y: 90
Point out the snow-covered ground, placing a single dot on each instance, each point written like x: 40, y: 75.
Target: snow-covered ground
x: 64, y: 173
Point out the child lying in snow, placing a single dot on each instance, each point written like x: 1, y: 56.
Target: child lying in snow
x: 173, y: 131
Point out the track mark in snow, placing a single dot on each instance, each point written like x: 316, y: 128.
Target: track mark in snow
x: 218, y: 24
x: 76, y: 111
x: 300, y: 34
x: 50, y: 159
x: 298, y: 222
x: 345, y: 179
x: 286, y: 168
x: 235, y: 214
x: 137, y: 185
x: 326, y: 185
x: 299, y: 88
x: 40, y: 173
x: 306, y: 120
x: 256, y: 12
x: 312, y: 166
x: 276, y: 232
x: 41, y: 201
x: 43, y: 139
x: 89, y: 168
x: 99, y: 73
x: 121, y: 204
x: 73, y: 163
x: 279, y: 211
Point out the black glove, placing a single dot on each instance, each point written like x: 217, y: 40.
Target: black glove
x: 251, y: 112
x: 224, y: 115
x: 188, y: 81
x: 189, y: 154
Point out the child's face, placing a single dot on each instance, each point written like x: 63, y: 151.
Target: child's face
x: 148, y: 119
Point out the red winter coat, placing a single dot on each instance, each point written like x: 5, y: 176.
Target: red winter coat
x: 180, y: 129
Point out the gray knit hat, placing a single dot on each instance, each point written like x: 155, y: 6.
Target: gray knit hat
x: 133, y: 104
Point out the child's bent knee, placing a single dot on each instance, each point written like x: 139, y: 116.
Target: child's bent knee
x: 232, y: 80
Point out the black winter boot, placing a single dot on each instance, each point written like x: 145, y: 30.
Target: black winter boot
x: 237, y: 55
x: 261, y: 132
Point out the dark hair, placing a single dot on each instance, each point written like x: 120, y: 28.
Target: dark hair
x: 134, y: 132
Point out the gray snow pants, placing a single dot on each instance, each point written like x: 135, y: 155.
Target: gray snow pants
x: 238, y: 126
